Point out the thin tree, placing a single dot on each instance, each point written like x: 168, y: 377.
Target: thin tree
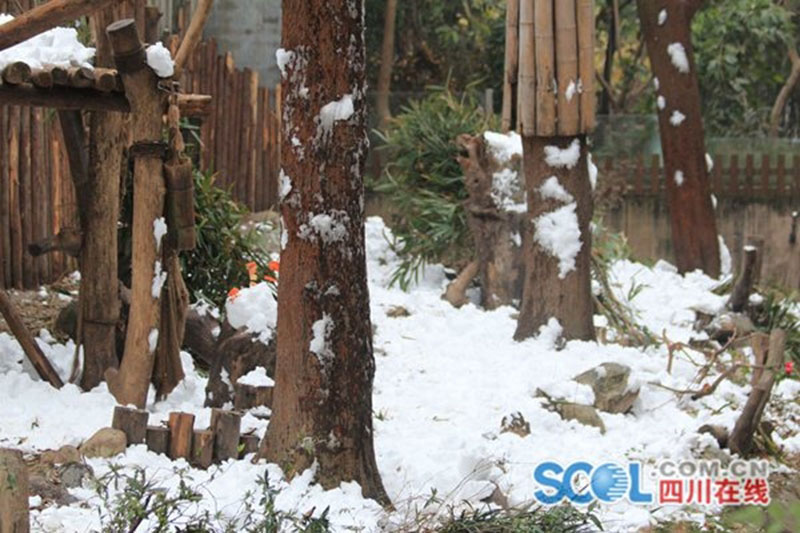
x: 322, y: 410
x: 387, y: 62
x: 666, y: 26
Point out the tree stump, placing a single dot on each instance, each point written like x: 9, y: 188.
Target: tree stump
x: 226, y: 426
x: 248, y: 444
x: 181, y: 431
x: 203, y: 448
x: 250, y: 396
x: 132, y: 422
x: 235, y: 356
x: 744, y: 284
x: 158, y: 439
x: 14, y: 492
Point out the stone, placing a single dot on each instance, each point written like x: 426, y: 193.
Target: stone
x: 515, y: 423
x: 609, y: 382
x: 106, y: 443
x: 583, y: 414
x: 65, y: 454
x: 398, y: 311
x: 724, y: 326
x: 73, y: 474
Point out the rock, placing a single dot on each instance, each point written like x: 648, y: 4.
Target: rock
x: 724, y: 326
x: 73, y: 474
x: 105, y: 443
x: 65, y: 454
x: 584, y: 414
x: 50, y: 491
x: 609, y: 382
x: 515, y: 423
x: 719, y: 433
x: 398, y: 311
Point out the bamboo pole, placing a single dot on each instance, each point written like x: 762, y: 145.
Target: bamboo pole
x: 527, y: 69
x: 193, y: 35
x: 545, y: 69
x: 568, y: 121
x: 586, y: 69
x: 512, y: 60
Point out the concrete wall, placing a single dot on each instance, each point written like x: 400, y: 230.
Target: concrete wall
x: 251, y: 31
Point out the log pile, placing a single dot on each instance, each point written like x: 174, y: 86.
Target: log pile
x: 220, y: 442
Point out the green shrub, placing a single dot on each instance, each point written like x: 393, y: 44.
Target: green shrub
x: 423, y: 181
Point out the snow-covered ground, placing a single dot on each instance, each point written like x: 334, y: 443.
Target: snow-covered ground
x: 445, y: 379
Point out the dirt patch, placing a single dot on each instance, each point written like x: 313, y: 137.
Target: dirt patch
x: 40, y: 308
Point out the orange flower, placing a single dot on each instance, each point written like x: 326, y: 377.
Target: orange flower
x: 275, y: 266
x: 233, y: 294
x: 270, y: 279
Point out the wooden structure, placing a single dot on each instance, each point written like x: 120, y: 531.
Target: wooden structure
x: 550, y: 71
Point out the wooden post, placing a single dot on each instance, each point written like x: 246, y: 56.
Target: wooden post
x: 44, y: 17
x: 193, y: 35
x: 567, y: 68
x: 132, y: 422
x: 741, y: 440
x: 526, y: 90
x: 247, y: 445
x: 545, y: 69
x: 158, y: 439
x: 203, y: 448
x: 42, y: 365
x: 129, y: 385
x: 512, y: 62
x: 181, y: 432
x: 744, y: 284
x: 249, y: 396
x: 586, y: 69
x: 226, y: 426
x: 14, y: 492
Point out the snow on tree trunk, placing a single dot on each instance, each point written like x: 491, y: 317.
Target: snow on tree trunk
x: 667, y: 32
x: 322, y: 410
x: 558, y: 243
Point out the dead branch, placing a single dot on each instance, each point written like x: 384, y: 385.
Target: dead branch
x: 193, y: 35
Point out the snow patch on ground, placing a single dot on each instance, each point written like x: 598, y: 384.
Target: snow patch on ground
x: 257, y: 378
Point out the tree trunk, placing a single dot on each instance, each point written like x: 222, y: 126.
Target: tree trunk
x: 387, y: 62
x: 669, y: 45
x: 557, y: 285
x: 323, y: 401
x: 129, y: 385
x: 786, y: 92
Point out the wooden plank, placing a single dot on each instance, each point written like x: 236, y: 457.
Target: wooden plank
x: 780, y: 177
x: 226, y: 426
x: 527, y: 69
x: 765, y: 176
x: 655, y: 175
x: 733, y: 176
x: 132, y: 422
x: 14, y: 202
x: 511, y: 61
x: 545, y: 68
x: 568, y: 119
x: 749, y: 175
x: 638, y: 177
x: 5, y: 215
x: 39, y: 192
x: 25, y: 197
x: 181, y: 431
x: 586, y: 68
x: 251, y: 92
x: 260, y: 177
x: 717, y: 187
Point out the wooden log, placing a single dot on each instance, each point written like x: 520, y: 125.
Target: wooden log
x: 158, y: 439
x: 130, y: 383
x: 42, y: 365
x: 68, y: 240
x: 511, y: 63
x: 456, y: 293
x: 42, y: 78
x: 251, y: 125
x: 44, y: 17
x: 744, y: 284
x: 545, y: 69
x: 40, y: 196
x: 63, y: 98
x: 527, y: 70
x: 249, y: 396
x: 25, y: 195
x: 741, y: 439
x: 226, y: 426
x: 248, y: 444
x: 193, y: 35
x: 586, y: 68
x: 181, y: 432
x: 107, y: 80
x: 132, y: 422
x: 759, y: 343
x: 758, y: 242
x: 203, y: 448
x: 80, y: 77
x: 195, y: 105
x: 152, y: 17
x: 14, y: 492
x: 6, y: 279
x: 568, y: 120
x: 16, y: 73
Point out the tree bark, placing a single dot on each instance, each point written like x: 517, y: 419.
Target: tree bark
x: 552, y: 289
x: 129, y: 385
x: 387, y: 62
x: 511, y: 64
x: 786, y: 92
x: 14, y: 492
x: 694, y: 228
x: 323, y: 401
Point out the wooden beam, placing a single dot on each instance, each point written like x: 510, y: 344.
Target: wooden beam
x: 193, y: 35
x: 45, y: 17
x: 28, y: 343
x: 64, y: 98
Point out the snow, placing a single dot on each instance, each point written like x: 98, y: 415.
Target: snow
x: 159, y: 230
x: 330, y: 227
x: 159, y: 278
x: 333, y: 112
x: 662, y: 17
x: 506, y: 190
x: 559, y: 234
x: 444, y: 380
x: 504, y: 147
x: 285, y: 185
x: 679, y: 177
x: 725, y: 260
x: 322, y: 330
x: 593, y: 172
x: 709, y: 163
x: 656, y: 83
x: 563, y: 158
x: 677, y: 54
x: 160, y: 60
x: 283, y: 57
x: 569, y: 94
x: 152, y: 340
x: 58, y: 47
x: 661, y: 102
x: 552, y: 189
x: 257, y: 378
x: 677, y: 118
